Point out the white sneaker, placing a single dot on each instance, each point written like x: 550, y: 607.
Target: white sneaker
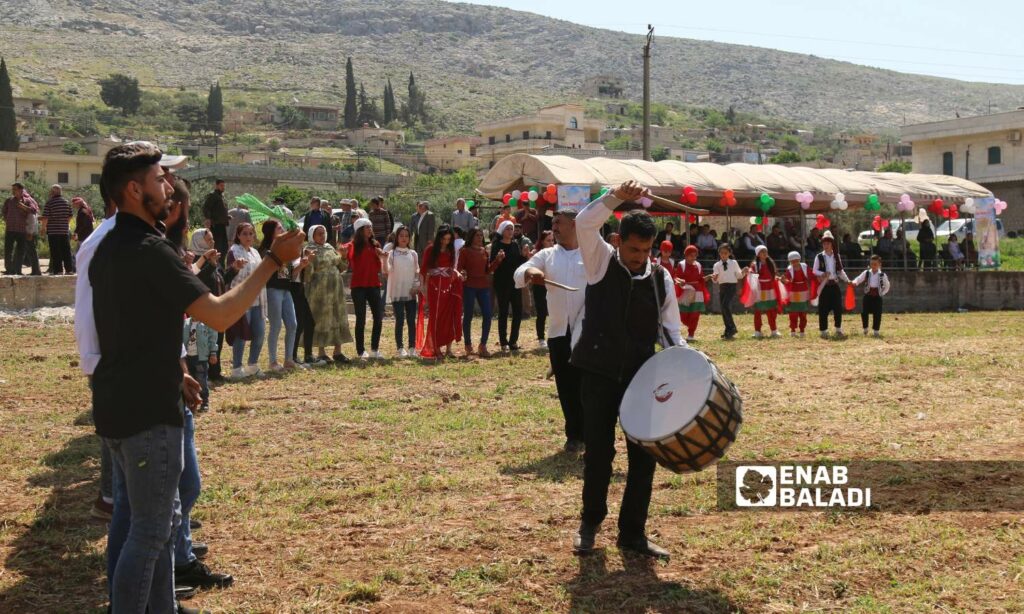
x: 691, y: 339
x: 876, y: 333
x: 824, y: 334
x: 776, y: 334
x: 238, y: 373
x: 376, y: 354
x: 504, y: 348
x: 840, y: 334
x: 865, y: 332
x: 402, y: 353
x: 792, y: 333
x: 542, y: 344
x: 365, y: 355
x: 414, y: 353
x: 801, y: 334
x: 251, y: 370
x: 757, y: 334
x: 321, y: 361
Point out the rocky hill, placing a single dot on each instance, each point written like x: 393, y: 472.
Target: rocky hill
x: 474, y: 62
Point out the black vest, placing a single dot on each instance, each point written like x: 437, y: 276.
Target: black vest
x: 620, y: 323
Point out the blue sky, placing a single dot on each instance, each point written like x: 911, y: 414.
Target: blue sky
x: 970, y: 40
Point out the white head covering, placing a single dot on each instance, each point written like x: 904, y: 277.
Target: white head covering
x: 360, y: 223
x: 502, y: 226
x: 759, y: 249
x: 198, y: 245
x: 312, y: 233
x: 828, y: 235
x: 793, y: 256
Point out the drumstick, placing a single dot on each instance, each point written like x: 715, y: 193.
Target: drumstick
x: 678, y: 207
x: 562, y: 286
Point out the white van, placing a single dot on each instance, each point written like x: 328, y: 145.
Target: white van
x: 866, y: 239
x: 961, y: 227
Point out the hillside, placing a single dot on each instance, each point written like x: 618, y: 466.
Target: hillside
x: 474, y: 62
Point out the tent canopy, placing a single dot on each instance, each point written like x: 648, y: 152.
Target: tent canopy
x: 748, y: 181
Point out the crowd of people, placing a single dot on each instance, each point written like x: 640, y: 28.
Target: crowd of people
x: 25, y: 222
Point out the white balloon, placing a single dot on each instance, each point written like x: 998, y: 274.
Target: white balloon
x: 533, y: 196
x: 516, y: 194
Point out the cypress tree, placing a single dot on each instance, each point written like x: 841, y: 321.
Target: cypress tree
x: 8, y: 122
x: 351, y: 117
x: 215, y: 109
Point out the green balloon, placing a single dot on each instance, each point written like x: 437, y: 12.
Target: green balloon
x: 765, y: 199
x: 470, y: 203
x: 534, y: 189
x: 758, y: 220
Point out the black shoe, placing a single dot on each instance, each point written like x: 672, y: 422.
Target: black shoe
x: 199, y: 575
x: 194, y: 524
x: 583, y: 541
x: 184, y: 592
x: 574, y: 446
x: 205, y: 407
x: 180, y: 609
x: 643, y: 546
x: 341, y: 359
x: 200, y: 550
x: 513, y: 347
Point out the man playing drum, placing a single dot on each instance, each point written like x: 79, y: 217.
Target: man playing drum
x: 630, y: 306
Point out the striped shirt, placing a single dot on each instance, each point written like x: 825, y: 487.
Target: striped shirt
x: 58, y: 215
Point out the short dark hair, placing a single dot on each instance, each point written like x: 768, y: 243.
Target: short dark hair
x: 639, y: 223
x: 216, y: 181
x: 126, y: 163
x: 878, y: 259
x: 18, y: 184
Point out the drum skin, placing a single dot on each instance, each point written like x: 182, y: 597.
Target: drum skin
x: 682, y: 410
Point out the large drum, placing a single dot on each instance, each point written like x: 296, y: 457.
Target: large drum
x: 682, y: 410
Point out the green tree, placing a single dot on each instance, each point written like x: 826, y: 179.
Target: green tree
x: 368, y: 111
x: 215, y: 109
x: 785, y: 157
x: 82, y: 122
x: 730, y: 115
x: 416, y: 106
x: 660, y: 154
x: 8, y: 121
x: 121, y: 92
x: 389, y: 103
x: 895, y: 166
x: 73, y: 148
x: 292, y: 118
x: 714, y: 145
x: 351, y: 109
x: 193, y: 115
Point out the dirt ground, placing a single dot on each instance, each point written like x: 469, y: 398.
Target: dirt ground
x: 407, y: 487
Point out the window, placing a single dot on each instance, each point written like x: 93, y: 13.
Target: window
x: 62, y: 177
x: 526, y: 134
x: 490, y: 140
x: 459, y: 152
x: 995, y: 155
x: 947, y: 163
x: 547, y: 135
x: 573, y: 124
x: 94, y: 179
x: 508, y: 138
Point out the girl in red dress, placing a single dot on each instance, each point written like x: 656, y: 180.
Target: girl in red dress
x: 691, y: 291
x: 442, y: 288
x: 767, y: 301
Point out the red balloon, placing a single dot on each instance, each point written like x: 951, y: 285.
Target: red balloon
x: 506, y: 198
x: 690, y: 198
x: 524, y: 197
x: 552, y: 187
x: 551, y: 198
x: 729, y: 194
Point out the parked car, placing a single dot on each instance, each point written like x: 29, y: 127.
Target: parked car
x: 960, y: 228
x: 866, y: 239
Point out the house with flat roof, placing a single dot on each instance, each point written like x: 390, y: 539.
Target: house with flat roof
x: 985, y: 149
x: 546, y: 131
x: 68, y: 171
x: 453, y: 152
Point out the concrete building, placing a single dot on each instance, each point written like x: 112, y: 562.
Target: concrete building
x: 660, y: 136
x: 69, y: 171
x: 376, y: 138
x: 452, y: 153
x: 985, y: 149
x: 556, y: 127
x: 320, y: 117
x: 603, y: 86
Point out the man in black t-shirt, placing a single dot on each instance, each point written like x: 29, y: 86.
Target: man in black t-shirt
x: 141, y: 291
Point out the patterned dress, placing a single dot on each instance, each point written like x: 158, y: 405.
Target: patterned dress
x: 767, y: 298
x: 798, y: 282
x: 325, y: 291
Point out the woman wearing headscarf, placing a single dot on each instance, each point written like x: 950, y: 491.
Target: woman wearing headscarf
x: 325, y: 292
x: 442, y: 285
x: 508, y: 253
x: 243, y: 259
x: 206, y: 264
x: 83, y: 219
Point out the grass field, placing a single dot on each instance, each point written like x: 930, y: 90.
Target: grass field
x: 404, y: 487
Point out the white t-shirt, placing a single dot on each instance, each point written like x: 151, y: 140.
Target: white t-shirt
x: 727, y: 274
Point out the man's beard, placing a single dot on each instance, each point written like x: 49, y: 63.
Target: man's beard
x: 158, y: 211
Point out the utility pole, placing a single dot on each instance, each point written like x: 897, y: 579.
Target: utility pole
x: 647, y: 93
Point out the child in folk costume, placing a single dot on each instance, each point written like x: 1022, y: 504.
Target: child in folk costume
x: 828, y: 269
x: 664, y: 257
x: 764, y: 292
x: 727, y: 273
x: 876, y: 286
x: 691, y: 291
x: 800, y: 286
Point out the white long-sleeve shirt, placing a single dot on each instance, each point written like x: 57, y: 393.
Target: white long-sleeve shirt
x: 565, y: 308
x: 829, y: 270
x: 403, y: 272
x: 598, y: 254
x: 85, y: 321
x: 875, y: 280
x: 730, y: 274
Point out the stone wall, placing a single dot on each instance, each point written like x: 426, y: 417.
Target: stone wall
x: 35, y: 292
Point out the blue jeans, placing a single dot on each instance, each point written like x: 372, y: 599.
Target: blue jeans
x: 200, y: 369
x: 405, y: 314
x: 255, y: 317
x: 147, y: 512
x: 189, y: 487
x: 281, y: 308
x: 481, y: 296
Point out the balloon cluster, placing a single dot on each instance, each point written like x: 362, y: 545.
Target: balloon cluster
x: 872, y: 203
x: 999, y: 206
x: 766, y: 202
x: 879, y: 223
x: 839, y: 202
x: 805, y: 199
x: 969, y: 207
x: 758, y: 221
x: 937, y: 206
x: 532, y: 195
x: 728, y: 199
x: 905, y: 205
x: 689, y: 196
x: 822, y: 222
x: 950, y: 213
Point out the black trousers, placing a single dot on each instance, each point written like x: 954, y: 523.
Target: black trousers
x: 509, y: 297
x: 601, y: 397
x: 567, y: 381
x: 361, y: 297
x: 61, y: 260
x: 220, y: 241
x: 14, y: 251
x: 872, y: 306
x: 306, y: 324
x: 540, y: 307
x: 830, y: 301
x: 726, y: 295
x: 214, y: 373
